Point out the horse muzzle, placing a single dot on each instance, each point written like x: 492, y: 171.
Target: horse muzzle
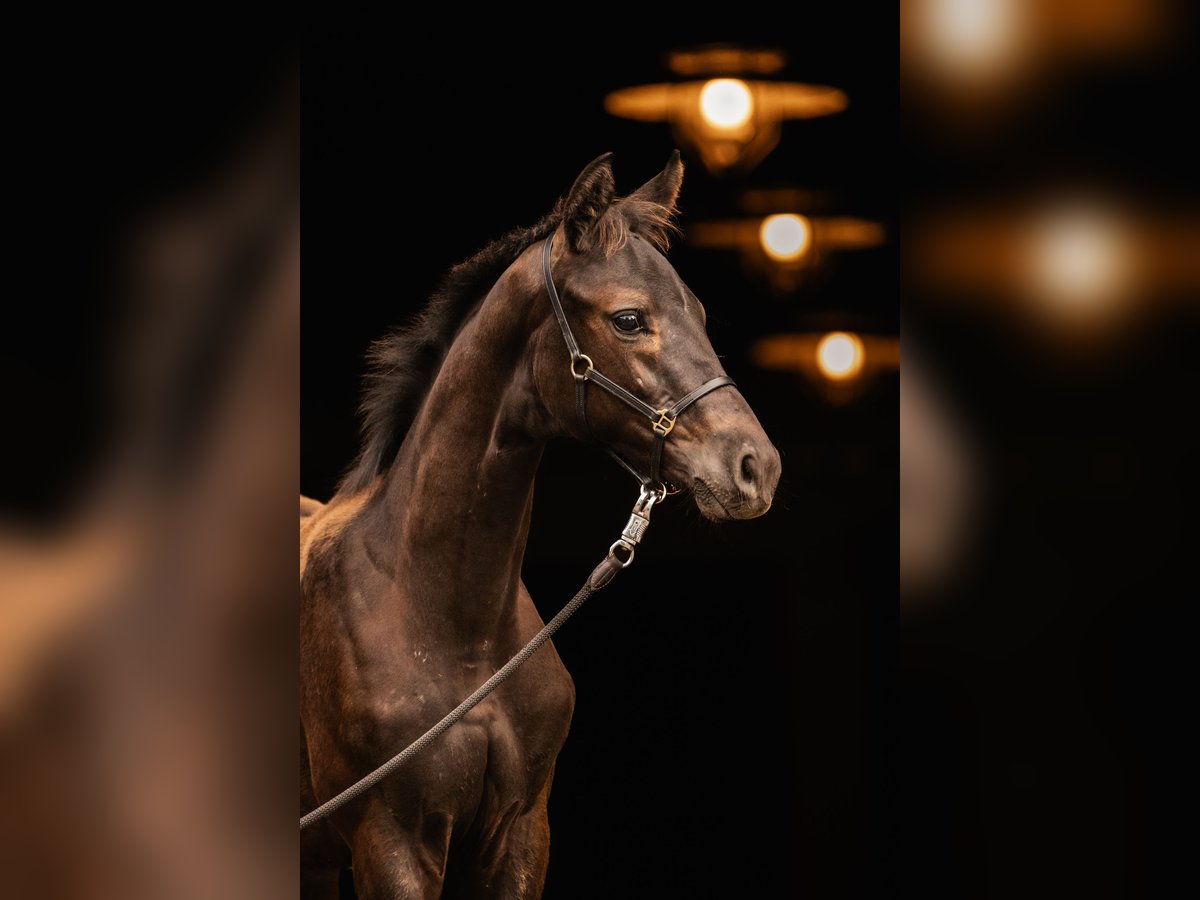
x: 737, y: 481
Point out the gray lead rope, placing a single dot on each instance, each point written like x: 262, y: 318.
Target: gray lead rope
x: 635, y: 528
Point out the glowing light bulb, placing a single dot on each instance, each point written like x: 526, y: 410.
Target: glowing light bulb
x: 840, y: 355
x: 726, y: 103
x: 785, y: 237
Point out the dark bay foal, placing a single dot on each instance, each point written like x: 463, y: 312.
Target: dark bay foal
x: 411, y: 594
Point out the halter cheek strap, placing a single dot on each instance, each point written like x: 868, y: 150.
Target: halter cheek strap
x: 662, y: 420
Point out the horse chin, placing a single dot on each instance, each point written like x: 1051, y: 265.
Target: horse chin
x: 717, y: 508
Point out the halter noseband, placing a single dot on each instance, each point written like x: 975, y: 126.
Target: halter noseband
x: 661, y: 420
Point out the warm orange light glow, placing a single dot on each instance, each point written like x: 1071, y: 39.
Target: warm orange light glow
x: 1078, y: 259
x: 971, y: 37
x: 845, y: 233
x: 725, y: 59
x: 645, y: 103
x: 777, y: 100
x: 842, y: 364
x: 788, y: 235
x: 840, y: 355
x: 726, y: 103
x: 976, y: 53
x: 731, y: 123
x: 785, y: 237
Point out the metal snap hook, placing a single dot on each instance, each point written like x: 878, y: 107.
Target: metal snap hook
x: 629, y: 548
x: 648, y: 496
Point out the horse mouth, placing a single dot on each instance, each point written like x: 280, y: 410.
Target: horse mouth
x: 709, y: 503
x: 716, y: 509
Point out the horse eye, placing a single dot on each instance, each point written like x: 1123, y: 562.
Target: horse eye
x: 628, y: 321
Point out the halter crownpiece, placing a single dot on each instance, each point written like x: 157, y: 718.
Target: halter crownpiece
x: 662, y: 420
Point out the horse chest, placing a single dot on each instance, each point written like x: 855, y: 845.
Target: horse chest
x: 502, y: 753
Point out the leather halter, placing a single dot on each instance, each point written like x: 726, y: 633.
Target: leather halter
x: 662, y: 420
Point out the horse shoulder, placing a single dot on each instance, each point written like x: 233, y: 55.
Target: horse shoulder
x: 548, y: 689
x: 323, y: 524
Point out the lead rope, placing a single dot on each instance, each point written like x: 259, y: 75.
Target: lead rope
x: 635, y: 528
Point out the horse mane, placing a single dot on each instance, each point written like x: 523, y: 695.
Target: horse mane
x: 402, y: 365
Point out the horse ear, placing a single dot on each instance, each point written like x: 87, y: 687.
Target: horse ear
x: 663, y: 188
x: 587, y: 200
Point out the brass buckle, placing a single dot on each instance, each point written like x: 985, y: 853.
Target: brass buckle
x: 581, y: 376
x: 664, y: 424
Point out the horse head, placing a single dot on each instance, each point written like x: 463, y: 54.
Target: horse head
x: 640, y: 335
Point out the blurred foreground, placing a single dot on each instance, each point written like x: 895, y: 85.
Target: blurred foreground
x: 1052, y: 313
x: 147, y: 630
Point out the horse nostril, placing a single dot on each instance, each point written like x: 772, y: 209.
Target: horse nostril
x: 749, y: 469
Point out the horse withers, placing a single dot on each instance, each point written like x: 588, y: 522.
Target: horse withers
x: 411, y: 592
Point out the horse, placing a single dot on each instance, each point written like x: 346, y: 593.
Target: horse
x: 410, y: 576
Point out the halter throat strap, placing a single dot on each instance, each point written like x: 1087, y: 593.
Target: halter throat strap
x: 662, y: 419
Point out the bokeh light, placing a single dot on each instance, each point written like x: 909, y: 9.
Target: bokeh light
x: 732, y: 123
x: 969, y: 38
x: 726, y: 103
x: 785, y: 237
x: 1078, y: 259
x: 840, y: 355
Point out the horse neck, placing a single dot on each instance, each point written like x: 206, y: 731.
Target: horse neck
x: 460, y: 492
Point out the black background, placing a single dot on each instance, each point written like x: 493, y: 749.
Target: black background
x: 731, y: 732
